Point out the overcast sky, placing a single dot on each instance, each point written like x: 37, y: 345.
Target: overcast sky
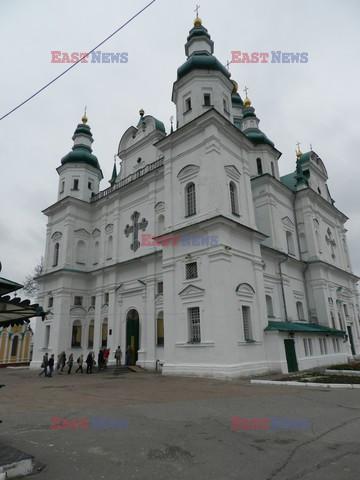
x: 315, y: 102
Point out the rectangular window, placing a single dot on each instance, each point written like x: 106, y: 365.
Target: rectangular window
x: 160, y: 287
x: 50, y: 302
x: 106, y: 297
x: 225, y: 104
x: 62, y: 187
x: 91, y: 336
x: 321, y: 346
x: 160, y: 330
x: 93, y: 301
x: 336, y: 345
x: 306, y: 347
x: 187, y: 104
x: 47, y: 336
x: 191, y: 270
x: 76, y: 184
x: 90, y: 185
x: 78, y: 301
x: 194, y: 321
x: 248, y: 336
x: 310, y: 346
x: 325, y: 346
x: 207, y: 99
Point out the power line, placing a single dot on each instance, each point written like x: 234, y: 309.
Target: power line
x: 78, y: 61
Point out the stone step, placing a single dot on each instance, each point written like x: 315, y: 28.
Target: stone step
x: 14, y: 463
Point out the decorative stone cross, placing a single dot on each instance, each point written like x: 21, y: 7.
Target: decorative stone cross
x: 134, y: 229
x: 197, y: 10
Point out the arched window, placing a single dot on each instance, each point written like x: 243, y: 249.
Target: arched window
x: 234, y: 199
x: 91, y: 334
x: 300, y: 311
x: 160, y: 329
x: 56, y: 254
x: 273, y: 169
x: 81, y: 252
x: 269, y: 306
x: 76, y: 334
x: 109, y: 248
x: 259, y: 166
x: 104, y: 332
x: 14, y: 346
x: 190, y: 199
x: 290, y: 243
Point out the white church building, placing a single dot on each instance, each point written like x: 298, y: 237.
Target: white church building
x: 199, y: 255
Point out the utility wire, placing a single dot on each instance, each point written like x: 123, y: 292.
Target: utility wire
x: 78, y: 61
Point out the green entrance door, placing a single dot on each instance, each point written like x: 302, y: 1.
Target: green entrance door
x: 291, y: 356
x: 132, y: 334
x: 351, y: 339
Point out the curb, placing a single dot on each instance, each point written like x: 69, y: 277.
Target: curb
x: 305, y: 384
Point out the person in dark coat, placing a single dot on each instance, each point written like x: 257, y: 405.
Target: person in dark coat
x: 100, y: 360
x: 80, y: 362
x: 70, y: 362
x: 51, y: 365
x: 89, y: 362
x: 128, y: 353
x: 44, y: 364
x: 63, y: 361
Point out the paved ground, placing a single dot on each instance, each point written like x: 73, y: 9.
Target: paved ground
x: 178, y: 428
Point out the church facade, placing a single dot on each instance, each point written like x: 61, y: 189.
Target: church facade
x: 199, y: 255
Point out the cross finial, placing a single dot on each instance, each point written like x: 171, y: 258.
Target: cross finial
x: 246, y: 90
x: 227, y: 65
x: 85, y: 112
x: 298, y: 146
x: 197, y: 10
x: 310, y: 146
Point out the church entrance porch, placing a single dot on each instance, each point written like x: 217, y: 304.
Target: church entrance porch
x: 132, y: 334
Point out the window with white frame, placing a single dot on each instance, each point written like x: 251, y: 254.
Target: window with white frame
x: 310, y: 345
x: 332, y: 319
x: 207, y: 99
x: 190, y: 199
x: 234, y: 201
x: 56, y: 254
x: 306, y: 348
x: 247, y: 326
x: 81, y: 252
x: 187, y: 104
x: 290, y: 243
x: 191, y: 270
x: 91, y: 334
x: 93, y: 301
x: 259, y: 166
x: 76, y: 334
x: 160, y: 329
x: 194, y: 325
x: 269, y: 306
x: 109, y: 248
x: 50, y: 302
x: 47, y: 336
x: 106, y: 297
x: 300, y: 311
x: 336, y: 345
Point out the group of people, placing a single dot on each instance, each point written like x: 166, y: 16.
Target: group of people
x: 102, y: 361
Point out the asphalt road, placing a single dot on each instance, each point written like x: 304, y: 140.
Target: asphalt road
x: 178, y: 428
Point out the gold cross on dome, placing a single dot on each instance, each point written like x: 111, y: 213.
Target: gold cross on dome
x: 197, y: 10
x: 298, y: 145
x: 246, y: 90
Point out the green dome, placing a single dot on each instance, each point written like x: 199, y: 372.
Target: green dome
x: 198, y: 31
x: 159, y: 125
x: 201, y: 62
x: 81, y: 154
x: 236, y: 99
x: 249, y: 112
x: 83, y: 129
x: 257, y: 137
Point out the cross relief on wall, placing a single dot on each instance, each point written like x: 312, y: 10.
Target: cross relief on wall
x: 134, y: 229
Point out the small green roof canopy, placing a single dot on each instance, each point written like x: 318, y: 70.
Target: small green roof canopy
x: 303, y: 328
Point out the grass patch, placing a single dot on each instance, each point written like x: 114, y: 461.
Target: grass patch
x: 346, y: 366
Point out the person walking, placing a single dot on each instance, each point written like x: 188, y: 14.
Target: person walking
x: 118, y: 355
x: 80, y: 362
x: 51, y: 365
x: 44, y: 365
x: 89, y: 362
x: 106, y: 354
x: 128, y: 353
x: 59, y: 363
x: 100, y: 360
x: 63, y: 361
x: 70, y: 362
